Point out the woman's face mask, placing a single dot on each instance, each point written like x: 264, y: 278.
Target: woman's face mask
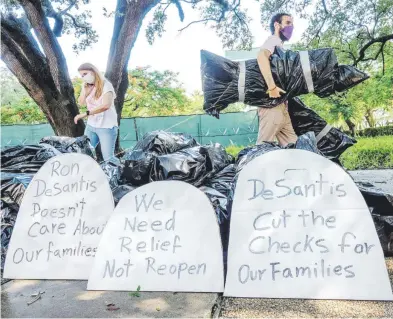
x: 88, y: 77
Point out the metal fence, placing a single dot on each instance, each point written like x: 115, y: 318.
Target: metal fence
x: 231, y: 129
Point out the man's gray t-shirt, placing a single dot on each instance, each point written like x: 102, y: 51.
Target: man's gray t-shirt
x: 272, y: 42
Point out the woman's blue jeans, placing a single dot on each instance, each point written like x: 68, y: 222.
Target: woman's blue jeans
x: 107, y: 139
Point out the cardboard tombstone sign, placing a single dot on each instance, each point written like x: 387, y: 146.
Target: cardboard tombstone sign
x: 162, y: 236
x: 300, y: 228
x: 60, y: 221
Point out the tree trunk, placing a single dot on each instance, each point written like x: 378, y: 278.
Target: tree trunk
x: 128, y: 21
x: 351, y: 126
x: 45, y: 77
x: 369, y: 116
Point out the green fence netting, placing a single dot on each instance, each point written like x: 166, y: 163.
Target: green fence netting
x: 231, y: 129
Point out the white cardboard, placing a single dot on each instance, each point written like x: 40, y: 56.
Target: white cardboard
x: 69, y: 196
x: 359, y: 272
x: 189, y: 254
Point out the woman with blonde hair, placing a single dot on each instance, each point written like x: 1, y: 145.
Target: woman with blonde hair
x: 99, y: 96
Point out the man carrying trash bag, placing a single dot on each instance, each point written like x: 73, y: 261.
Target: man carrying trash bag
x: 275, y: 122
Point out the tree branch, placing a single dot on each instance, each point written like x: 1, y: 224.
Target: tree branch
x: 72, y: 4
x: 199, y: 21
x: 76, y: 24
x: 362, y: 52
x: 50, y: 12
x: 54, y: 54
x: 324, y: 7
x: 179, y: 8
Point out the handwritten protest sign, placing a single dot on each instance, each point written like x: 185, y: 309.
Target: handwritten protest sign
x: 162, y: 236
x: 301, y: 229
x: 60, y: 221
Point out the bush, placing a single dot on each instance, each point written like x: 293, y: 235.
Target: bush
x: 26, y: 112
x: 369, y: 153
x: 376, y: 131
x: 234, y: 150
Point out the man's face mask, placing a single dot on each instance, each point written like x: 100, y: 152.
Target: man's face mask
x: 286, y: 32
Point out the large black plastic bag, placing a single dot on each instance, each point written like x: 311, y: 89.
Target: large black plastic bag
x: 139, y: 162
x: 162, y: 142
x: 9, y: 213
x: 113, y: 173
x: 120, y: 191
x: 304, y: 142
x: 332, y: 142
x: 377, y: 189
x: 138, y: 167
x: 66, y: 144
x: 26, y: 158
x: 220, y: 78
x: 223, y: 180
x: 384, y: 227
x: 220, y: 203
x: 13, y: 187
x: 192, y: 165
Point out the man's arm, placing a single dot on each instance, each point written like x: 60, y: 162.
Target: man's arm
x: 264, y: 65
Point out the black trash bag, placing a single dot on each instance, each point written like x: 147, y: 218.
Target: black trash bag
x: 381, y: 202
x: 139, y: 162
x: 66, y: 144
x: 384, y: 227
x: 304, y: 142
x: 138, y: 167
x: 26, y: 158
x: 161, y: 142
x: 121, y: 190
x: 377, y: 190
x: 219, y: 202
x: 220, y: 78
x: 220, y: 205
x: 223, y: 181
x: 9, y: 213
x: 13, y: 187
x: 192, y: 165
x: 332, y: 142
x: 113, y: 172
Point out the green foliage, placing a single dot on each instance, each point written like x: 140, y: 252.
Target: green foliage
x: 376, y: 131
x: 153, y: 93
x: 359, y: 105
x: 23, y: 112
x: 11, y: 90
x: 369, y: 153
x: 234, y: 150
x: 358, y: 30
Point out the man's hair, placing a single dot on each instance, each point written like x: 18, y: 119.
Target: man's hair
x: 277, y: 18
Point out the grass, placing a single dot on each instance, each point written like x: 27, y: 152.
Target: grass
x: 367, y: 153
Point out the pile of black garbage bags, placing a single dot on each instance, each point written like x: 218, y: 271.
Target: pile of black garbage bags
x: 166, y: 156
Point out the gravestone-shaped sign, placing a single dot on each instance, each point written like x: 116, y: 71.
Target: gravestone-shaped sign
x: 300, y: 228
x: 162, y: 236
x: 60, y: 221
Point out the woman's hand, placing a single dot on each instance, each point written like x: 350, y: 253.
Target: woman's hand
x: 86, y: 89
x: 79, y: 117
